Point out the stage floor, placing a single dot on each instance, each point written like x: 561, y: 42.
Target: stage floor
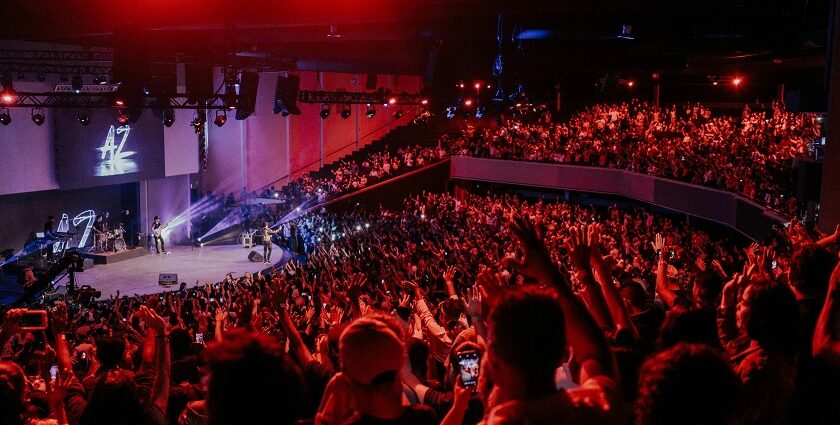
x: 140, y: 275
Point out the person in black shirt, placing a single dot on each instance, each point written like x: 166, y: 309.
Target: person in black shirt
x: 99, y: 233
x: 157, y: 232
x: 267, y: 232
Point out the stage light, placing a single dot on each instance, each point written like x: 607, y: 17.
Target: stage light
x: 76, y: 83
x: 488, y: 86
x: 345, y: 111
x: 424, y: 102
x: 630, y: 83
x: 450, y: 112
x: 8, y: 95
x: 398, y: 114
x: 119, y: 102
x: 8, y: 98
x: 168, y: 117
x: 123, y: 118
x: 367, y: 225
x: 84, y: 118
x: 460, y: 85
x: 5, y: 118
x: 392, y: 101
x: 220, y: 119
x: 479, y: 112
x: 201, y: 245
x: 477, y: 86
x: 325, y: 111
x: 468, y: 102
x: 737, y: 81
x: 198, y: 121
x: 371, y: 111
x: 37, y: 116
x: 358, y: 227
x: 714, y: 83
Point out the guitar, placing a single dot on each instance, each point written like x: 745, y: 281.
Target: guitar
x: 158, y: 231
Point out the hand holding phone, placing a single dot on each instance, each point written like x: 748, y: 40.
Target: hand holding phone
x: 468, y: 366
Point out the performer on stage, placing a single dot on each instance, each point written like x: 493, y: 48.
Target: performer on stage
x: 157, y: 231
x: 266, y: 240
x: 99, y: 231
x: 48, y: 227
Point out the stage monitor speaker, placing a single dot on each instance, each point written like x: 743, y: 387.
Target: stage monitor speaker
x: 168, y: 279
x: 198, y: 79
x: 370, y: 84
x: 808, y: 179
x: 248, y: 83
x: 286, y: 94
x: 256, y: 257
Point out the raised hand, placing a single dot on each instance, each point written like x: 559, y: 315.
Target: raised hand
x: 153, y: 320
x: 11, y: 323
x: 536, y: 261
x: 472, y: 303
x: 58, y: 319
x: 578, y: 244
x: 355, y: 286
x: 490, y: 286
x: 405, y: 300
x: 449, y: 273
x: 658, y: 243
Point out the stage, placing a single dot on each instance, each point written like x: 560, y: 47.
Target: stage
x: 140, y: 275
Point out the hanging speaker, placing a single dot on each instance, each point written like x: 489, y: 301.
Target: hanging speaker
x: 248, y: 83
x: 198, y: 79
x: 370, y: 84
x: 285, y: 95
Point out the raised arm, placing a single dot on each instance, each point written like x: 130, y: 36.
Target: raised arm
x: 618, y: 309
x: 591, y: 294
x: 584, y: 335
x: 826, y: 343
x: 160, y: 389
x: 665, y: 292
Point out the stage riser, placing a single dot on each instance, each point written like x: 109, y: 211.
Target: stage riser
x: 115, y: 257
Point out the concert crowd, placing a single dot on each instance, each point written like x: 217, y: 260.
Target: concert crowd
x: 751, y: 153
x: 460, y: 309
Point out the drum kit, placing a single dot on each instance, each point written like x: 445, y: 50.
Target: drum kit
x: 112, y: 240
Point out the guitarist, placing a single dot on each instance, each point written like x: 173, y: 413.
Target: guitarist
x: 99, y: 231
x: 157, y: 231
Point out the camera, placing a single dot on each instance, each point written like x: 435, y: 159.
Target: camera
x: 33, y: 320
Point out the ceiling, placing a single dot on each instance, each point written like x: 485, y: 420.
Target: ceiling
x: 542, y: 41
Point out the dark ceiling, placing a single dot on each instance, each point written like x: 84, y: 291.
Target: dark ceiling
x: 771, y: 40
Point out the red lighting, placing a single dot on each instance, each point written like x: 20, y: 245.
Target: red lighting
x: 424, y: 102
x: 392, y: 101
x: 630, y: 83
x: 477, y: 86
x: 461, y: 85
x: 655, y: 75
x: 122, y: 118
x: 8, y: 99
x: 737, y: 81
x: 119, y: 102
x: 468, y: 102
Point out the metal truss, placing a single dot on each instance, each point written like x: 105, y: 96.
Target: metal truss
x: 306, y: 96
x: 94, y: 101
x: 55, y: 55
x: 53, y: 68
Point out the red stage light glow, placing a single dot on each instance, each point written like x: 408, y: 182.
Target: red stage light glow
x: 119, y: 102
x: 424, y: 102
x: 8, y: 99
x: 477, y: 86
x: 737, y: 81
x: 630, y: 83
x: 392, y: 101
x: 468, y: 102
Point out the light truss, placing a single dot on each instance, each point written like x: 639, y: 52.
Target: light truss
x: 94, y: 100
x: 306, y: 96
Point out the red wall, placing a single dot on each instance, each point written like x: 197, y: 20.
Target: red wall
x: 273, y: 148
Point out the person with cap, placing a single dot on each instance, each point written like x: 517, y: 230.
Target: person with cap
x: 372, y: 355
x: 157, y: 232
